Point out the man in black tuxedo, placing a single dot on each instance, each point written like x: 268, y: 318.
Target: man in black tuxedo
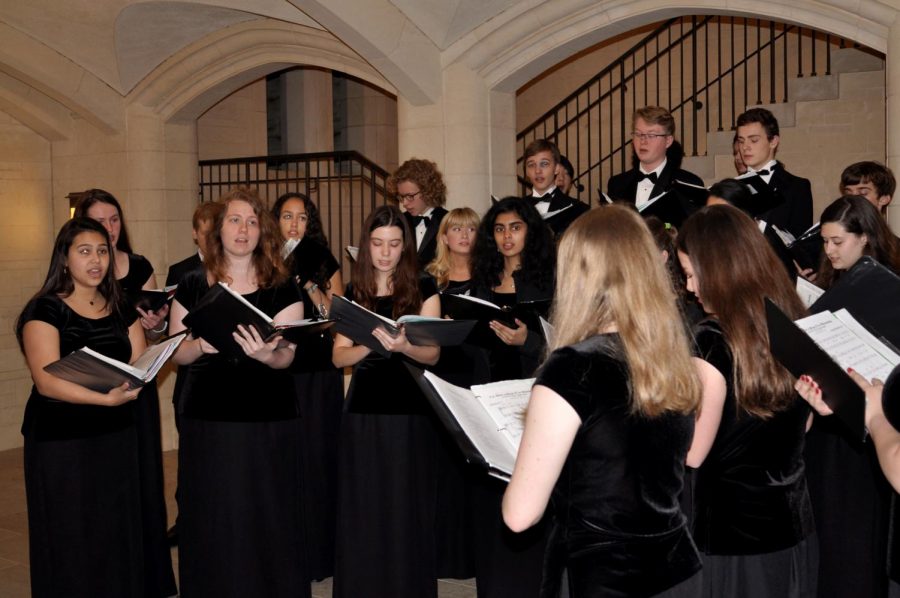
x: 658, y: 168
x: 202, y: 222
x: 542, y: 165
x: 758, y: 136
x: 419, y: 187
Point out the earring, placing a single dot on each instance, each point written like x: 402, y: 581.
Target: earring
x: 66, y: 270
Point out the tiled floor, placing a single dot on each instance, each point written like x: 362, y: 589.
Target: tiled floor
x: 14, y: 580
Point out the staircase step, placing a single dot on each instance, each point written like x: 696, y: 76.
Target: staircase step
x: 703, y: 166
x: 861, y: 85
x: 854, y: 60
x: 784, y: 112
x: 823, y: 87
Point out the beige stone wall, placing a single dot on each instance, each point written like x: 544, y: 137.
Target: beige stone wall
x: 26, y: 238
x: 236, y: 126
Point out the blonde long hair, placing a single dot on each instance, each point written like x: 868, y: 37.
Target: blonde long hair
x: 440, y: 265
x: 610, y: 273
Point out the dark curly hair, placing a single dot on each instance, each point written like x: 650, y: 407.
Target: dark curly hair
x: 314, y: 233
x: 314, y: 229
x: 426, y: 176
x: 538, y: 257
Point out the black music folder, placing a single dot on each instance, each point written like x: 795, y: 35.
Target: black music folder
x: 800, y: 355
x: 356, y: 322
x: 871, y: 293
x: 486, y: 421
x: 218, y: 314
x: 677, y: 203
x: 762, y: 197
x: 154, y: 299
x: 90, y: 369
x: 465, y: 307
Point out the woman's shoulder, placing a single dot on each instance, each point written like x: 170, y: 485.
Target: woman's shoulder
x: 135, y: 260
x: 595, y: 354
x: 46, y: 308
x: 427, y: 286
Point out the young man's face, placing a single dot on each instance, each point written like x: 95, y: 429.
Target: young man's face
x: 650, y: 142
x: 867, y: 190
x: 757, y: 150
x: 541, y: 170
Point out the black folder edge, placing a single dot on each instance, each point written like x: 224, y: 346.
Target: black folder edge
x: 214, y: 333
x: 470, y: 452
x: 800, y: 355
x: 351, y: 326
x: 299, y: 334
x: 481, y: 335
x: 69, y: 363
x: 153, y: 299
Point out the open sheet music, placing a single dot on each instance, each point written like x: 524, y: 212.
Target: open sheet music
x: 357, y: 323
x: 809, y: 293
x: 487, y: 421
x: 93, y: 370
x: 850, y: 344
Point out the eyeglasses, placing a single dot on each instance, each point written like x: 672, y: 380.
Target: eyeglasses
x: 409, y: 196
x: 647, y: 136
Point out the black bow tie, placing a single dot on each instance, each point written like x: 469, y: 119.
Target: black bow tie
x: 652, y: 176
x: 763, y: 172
x: 420, y: 219
x: 536, y: 200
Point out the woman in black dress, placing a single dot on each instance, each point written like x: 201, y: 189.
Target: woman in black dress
x: 319, y: 385
x: 608, y: 425
x: 81, y: 453
x: 240, y: 524
x: 513, y: 262
x: 752, y: 515
x: 134, y: 273
x: 387, y: 477
x: 452, y: 270
x: 850, y: 497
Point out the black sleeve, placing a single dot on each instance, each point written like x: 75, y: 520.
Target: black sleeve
x: 47, y: 309
x: 565, y: 373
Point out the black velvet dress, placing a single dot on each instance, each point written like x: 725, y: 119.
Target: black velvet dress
x: 618, y: 529
x: 387, y: 482
x: 506, y: 563
x: 240, y: 526
x: 320, y: 395
x: 752, y: 516
x: 81, y: 476
x: 454, y: 526
x: 160, y: 578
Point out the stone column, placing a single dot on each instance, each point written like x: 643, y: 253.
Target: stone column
x: 892, y: 109
x: 307, y: 108
x: 469, y: 133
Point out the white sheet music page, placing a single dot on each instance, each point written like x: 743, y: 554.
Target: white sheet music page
x: 477, y: 423
x: 850, y: 344
x: 809, y: 293
x: 506, y: 401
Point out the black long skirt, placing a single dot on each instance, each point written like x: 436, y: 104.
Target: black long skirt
x: 159, y: 575
x: 320, y: 398
x: 84, y: 516
x: 240, y: 526
x: 506, y: 563
x: 788, y: 573
x: 386, y: 497
x: 851, y: 503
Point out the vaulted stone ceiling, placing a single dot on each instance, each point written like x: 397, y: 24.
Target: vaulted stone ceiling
x: 121, y: 41
x: 447, y: 21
